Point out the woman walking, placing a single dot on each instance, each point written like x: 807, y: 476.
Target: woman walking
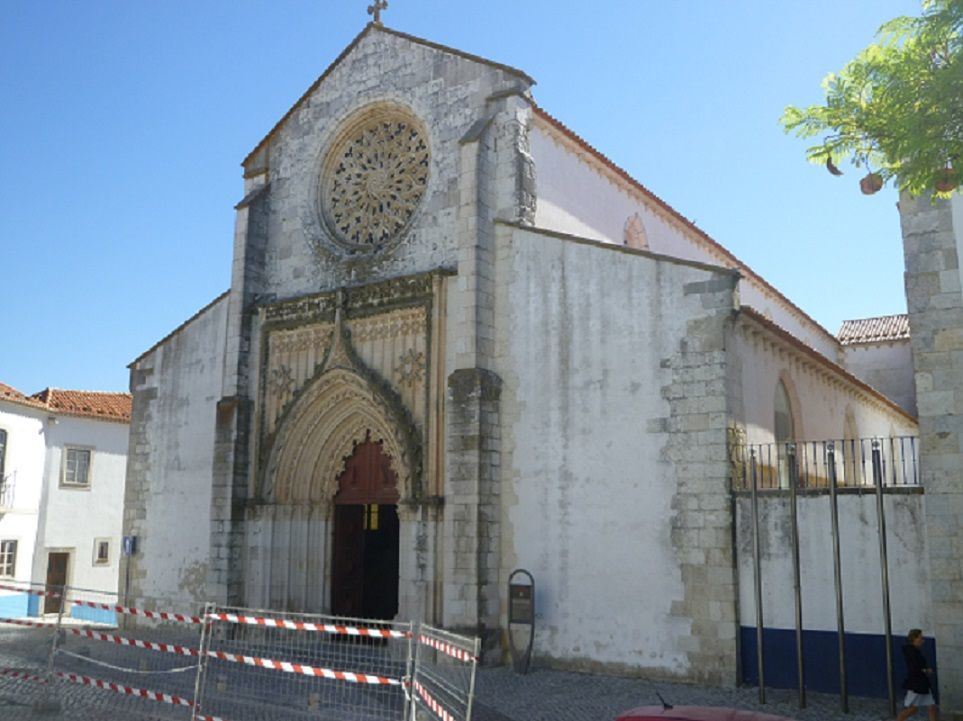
x: 919, y: 692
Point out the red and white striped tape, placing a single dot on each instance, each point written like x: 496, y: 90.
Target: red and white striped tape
x: 126, y: 690
x: 157, y: 615
x: 30, y: 624
x: 304, y: 626
x: 453, y: 651
x: 440, y: 710
x: 31, y: 591
x: 148, y: 645
x: 22, y: 675
x: 289, y: 667
x: 131, y: 691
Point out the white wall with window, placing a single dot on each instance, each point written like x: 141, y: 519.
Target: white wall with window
x: 62, y: 477
x: 84, y: 485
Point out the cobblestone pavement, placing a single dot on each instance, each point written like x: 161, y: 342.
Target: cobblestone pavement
x: 501, y: 695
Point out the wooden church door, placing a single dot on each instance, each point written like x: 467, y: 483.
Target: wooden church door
x: 366, y: 530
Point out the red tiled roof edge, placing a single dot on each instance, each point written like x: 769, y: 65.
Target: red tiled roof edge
x: 701, y: 234
x: 789, y: 338
x: 101, y: 405
x: 878, y: 329
x: 344, y: 53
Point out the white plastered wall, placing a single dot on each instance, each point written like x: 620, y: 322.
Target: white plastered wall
x: 577, y: 195
x: 820, y: 396
x: 860, y: 563
x: 23, y: 468
x: 176, y: 387
x: 587, y: 497
x: 887, y: 367
x: 74, y: 517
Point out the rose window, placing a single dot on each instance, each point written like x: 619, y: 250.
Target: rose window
x: 376, y: 176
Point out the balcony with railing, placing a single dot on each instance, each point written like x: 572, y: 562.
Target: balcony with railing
x: 859, y: 463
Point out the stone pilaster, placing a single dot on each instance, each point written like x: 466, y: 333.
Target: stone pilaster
x: 702, y: 523
x: 932, y: 234
x: 232, y: 446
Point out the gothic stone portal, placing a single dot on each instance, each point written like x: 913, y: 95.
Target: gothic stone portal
x: 365, y: 554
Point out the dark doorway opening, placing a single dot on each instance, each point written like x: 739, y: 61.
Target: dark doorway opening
x: 366, y: 531
x: 56, y: 580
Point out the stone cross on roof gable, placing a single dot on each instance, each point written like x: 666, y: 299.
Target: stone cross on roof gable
x: 375, y: 10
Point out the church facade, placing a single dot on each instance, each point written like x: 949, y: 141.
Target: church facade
x: 460, y: 341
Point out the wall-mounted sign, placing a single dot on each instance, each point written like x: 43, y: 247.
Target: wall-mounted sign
x: 130, y: 545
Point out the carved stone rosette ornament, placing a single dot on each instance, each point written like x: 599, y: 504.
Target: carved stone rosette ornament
x: 374, y: 178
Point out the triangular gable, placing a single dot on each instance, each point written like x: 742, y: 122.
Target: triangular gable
x: 372, y: 27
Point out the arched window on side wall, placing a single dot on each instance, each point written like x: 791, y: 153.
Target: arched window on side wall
x: 784, y: 431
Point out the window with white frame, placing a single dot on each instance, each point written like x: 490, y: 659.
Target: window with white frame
x: 8, y: 558
x: 76, y: 472
x: 101, y: 551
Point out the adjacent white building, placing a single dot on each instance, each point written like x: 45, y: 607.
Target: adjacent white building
x: 63, y: 458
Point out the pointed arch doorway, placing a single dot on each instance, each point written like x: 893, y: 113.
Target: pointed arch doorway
x: 365, y: 568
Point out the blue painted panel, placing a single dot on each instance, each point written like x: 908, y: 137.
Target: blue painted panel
x: 865, y: 660
x: 33, y: 606
x: 15, y: 605
x: 95, y: 615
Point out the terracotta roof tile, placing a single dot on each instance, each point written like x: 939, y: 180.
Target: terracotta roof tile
x: 874, y: 330
x: 11, y: 394
x: 91, y: 404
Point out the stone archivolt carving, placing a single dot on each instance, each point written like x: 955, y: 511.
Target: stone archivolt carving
x: 301, y: 339
x: 345, y: 404
x: 410, y: 321
x: 374, y: 178
x: 338, y: 411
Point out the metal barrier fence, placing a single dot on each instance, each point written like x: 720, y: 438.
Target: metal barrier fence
x: 443, y: 685
x: 231, y: 664
x: 305, y: 666
x: 851, y: 461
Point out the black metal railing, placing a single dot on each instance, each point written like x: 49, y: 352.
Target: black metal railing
x: 853, y: 463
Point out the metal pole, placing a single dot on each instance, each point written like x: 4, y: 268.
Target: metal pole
x: 838, y: 576
x: 471, y: 685
x: 205, y: 643
x: 884, y: 573
x: 411, y: 670
x: 796, y: 575
x: 757, y: 576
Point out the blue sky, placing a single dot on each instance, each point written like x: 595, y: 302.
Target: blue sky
x: 123, y: 123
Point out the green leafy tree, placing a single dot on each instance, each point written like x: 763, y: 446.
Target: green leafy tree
x: 897, y: 108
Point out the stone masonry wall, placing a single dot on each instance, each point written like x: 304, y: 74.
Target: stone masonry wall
x: 931, y: 244
x: 702, y: 525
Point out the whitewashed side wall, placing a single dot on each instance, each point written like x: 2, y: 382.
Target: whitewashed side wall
x: 23, y: 468
x: 859, y: 553
x: 176, y: 388
x: 73, y: 518
x: 820, y: 397
x: 574, y: 197
x: 588, y: 493
x: 887, y: 367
